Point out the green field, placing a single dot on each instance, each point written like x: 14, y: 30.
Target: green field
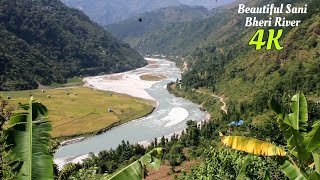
x: 86, y: 112
x: 71, y: 82
x: 150, y: 77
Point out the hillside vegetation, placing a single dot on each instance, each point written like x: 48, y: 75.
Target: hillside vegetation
x: 46, y: 42
x: 226, y: 65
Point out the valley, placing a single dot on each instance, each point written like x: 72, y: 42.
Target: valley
x: 152, y: 89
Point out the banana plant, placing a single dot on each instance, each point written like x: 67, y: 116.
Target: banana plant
x: 138, y: 169
x: 303, y: 145
x: 28, y: 141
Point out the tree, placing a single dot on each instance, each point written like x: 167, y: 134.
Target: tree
x: 193, y: 133
x: 303, y: 145
x: 175, y: 156
x: 28, y: 141
x: 162, y: 141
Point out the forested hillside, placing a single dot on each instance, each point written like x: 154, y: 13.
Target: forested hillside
x: 44, y: 41
x: 153, y: 31
x: 227, y: 65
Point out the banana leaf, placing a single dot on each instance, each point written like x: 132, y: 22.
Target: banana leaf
x: 292, y: 172
x: 137, y: 169
x: 28, y: 142
x: 253, y: 146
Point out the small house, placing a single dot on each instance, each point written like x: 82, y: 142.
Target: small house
x: 48, y: 96
x: 8, y: 97
x: 68, y: 93
x: 76, y: 94
x: 110, y: 110
x: 237, y: 123
x: 43, y: 91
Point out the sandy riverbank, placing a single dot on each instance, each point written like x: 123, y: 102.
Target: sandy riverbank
x: 79, y: 159
x: 125, y: 83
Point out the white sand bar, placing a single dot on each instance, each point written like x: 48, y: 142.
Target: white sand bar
x: 128, y: 82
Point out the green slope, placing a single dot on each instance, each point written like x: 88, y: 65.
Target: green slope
x: 45, y: 41
x: 248, y: 78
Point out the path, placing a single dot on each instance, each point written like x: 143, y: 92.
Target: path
x: 185, y: 66
x: 224, y: 107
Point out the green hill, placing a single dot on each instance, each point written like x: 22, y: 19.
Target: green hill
x: 44, y: 41
x: 227, y: 65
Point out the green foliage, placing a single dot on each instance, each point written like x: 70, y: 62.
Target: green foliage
x: 137, y: 169
x: 108, y: 161
x: 6, y: 165
x: 28, y: 141
x: 243, y: 170
x: 84, y: 174
x: 302, y: 144
x: 291, y: 171
x: 44, y: 41
x: 175, y: 156
x: 223, y: 163
x: 192, y: 134
x: 71, y: 170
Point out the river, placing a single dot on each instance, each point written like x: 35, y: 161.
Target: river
x: 169, y: 117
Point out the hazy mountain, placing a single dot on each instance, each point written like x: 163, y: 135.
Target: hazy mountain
x: 206, y: 3
x: 135, y: 31
x: 48, y: 42
x: 111, y: 11
x: 107, y: 12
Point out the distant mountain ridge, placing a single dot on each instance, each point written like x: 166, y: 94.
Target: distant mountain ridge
x: 47, y: 42
x: 136, y: 30
x: 112, y: 11
x: 107, y: 12
x: 209, y: 4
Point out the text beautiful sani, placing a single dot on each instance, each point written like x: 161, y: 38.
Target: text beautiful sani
x: 271, y: 10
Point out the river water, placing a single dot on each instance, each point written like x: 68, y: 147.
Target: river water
x: 169, y: 117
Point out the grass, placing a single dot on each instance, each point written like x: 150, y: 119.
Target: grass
x: 149, y: 77
x: 86, y: 112
x: 71, y: 82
